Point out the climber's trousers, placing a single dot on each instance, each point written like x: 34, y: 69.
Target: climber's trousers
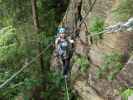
x: 66, y: 63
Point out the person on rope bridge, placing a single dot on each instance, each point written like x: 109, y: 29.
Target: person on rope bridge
x: 64, y: 49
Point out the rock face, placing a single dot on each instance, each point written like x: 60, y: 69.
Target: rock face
x: 101, y: 9
x: 126, y: 75
x: 118, y: 42
x: 86, y: 92
x: 117, y: 37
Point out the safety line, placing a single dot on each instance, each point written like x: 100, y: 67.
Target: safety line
x: 68, y: 97
x: 25, y: 66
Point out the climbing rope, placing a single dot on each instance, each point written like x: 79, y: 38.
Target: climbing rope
x: 66, y: 87
x: 24, y: 67
x: 66, y: 15
x: 84, y: 18
x: 127, y: 26
x: 73, y: 32
x: 89, y: 11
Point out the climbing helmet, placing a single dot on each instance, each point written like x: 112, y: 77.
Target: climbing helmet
x: 61, y: 30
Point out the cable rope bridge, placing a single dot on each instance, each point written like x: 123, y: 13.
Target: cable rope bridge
x: 67, y: 91
x: 118, y: 27
x: 35, y: 58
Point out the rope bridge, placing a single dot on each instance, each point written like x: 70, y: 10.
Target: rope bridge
x: 45, y: 49
x: 109, y: 29
x: 67, y: 91
x: 128, y: 26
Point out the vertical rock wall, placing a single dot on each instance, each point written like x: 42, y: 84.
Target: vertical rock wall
x: 87, y: 86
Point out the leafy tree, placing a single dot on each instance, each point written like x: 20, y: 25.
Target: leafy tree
x: 19, y: 43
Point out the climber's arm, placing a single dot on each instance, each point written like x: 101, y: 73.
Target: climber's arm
x: 71, y: 41
x: 56, y: 42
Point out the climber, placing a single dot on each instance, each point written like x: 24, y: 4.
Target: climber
x: 64, y: 49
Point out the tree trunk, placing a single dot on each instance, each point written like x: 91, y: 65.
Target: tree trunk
x: 37, y: 30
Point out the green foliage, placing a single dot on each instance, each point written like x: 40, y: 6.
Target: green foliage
x: 7, y: 44
x: 83, y: 62
x: 46, y: 40
x: 56, y: 87
x: 7, y: 36
x: 30, y: 83
x: 19, y: 43
x: 96, y: 25
x: 126, y: 93
x: 124, y: 10
x: 19, y: 86
x: 51, y: 14
x: 111, y: 66
x: 10, y: 50
x: 18, y: 12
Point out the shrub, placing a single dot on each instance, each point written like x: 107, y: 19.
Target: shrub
x: 111, y: 66
x: 126, y: 93
x: 124, y: 10
x: 12, y: 55
x: 56, y: 87
x: 83, y: 62
x: 10, y: 49
x: 18, y: 86
x: 96, y: 25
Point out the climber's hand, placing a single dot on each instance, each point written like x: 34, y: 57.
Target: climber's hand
x: 71, y: 41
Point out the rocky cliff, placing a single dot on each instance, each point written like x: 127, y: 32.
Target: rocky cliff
x: 118, y: 38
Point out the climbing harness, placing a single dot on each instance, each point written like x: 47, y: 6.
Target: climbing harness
x: 66, y: 87
x: 64, y: 48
